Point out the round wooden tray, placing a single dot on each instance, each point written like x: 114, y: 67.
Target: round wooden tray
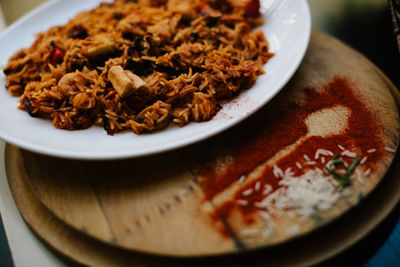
x: 308, y: 250
x: 157, y: 204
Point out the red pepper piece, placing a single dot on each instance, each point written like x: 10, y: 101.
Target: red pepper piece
x: 253, y: 8
x: 57, y: 56
x: 204, y: 8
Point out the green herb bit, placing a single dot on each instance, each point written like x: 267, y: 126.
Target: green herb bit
x: 343, y: 178
x: 353, y: 165
x: 335, y: 157
x: 336, y: 162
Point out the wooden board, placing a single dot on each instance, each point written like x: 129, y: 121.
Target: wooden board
x: 305, y: 251
x: 162, y: 204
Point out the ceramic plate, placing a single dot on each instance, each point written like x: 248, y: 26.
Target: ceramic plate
x: 287, y: 28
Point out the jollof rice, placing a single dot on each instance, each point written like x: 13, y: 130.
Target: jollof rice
x: 140, y: 64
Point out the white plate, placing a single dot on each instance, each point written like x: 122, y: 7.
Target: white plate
x: 287, y: 28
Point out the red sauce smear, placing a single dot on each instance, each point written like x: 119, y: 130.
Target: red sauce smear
x: 262, y: 137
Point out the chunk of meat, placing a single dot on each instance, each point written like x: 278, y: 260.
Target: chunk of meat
x: 101, y: 45
x: 125, y: 82
x: 67, y: 85
x: 154, y: 117
x: 83, y: 101
x: 133, y: 24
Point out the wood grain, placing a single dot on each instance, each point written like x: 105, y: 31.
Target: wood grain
x: 158, y: 205
x: 143, y: 204
x: 308, y: 250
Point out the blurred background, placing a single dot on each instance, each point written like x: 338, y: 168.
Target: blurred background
x: 366, y: 25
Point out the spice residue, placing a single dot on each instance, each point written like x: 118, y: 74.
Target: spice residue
x: 320, y: 167
x: 235, y: 108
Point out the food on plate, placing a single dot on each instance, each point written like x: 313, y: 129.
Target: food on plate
x: 140, y: 65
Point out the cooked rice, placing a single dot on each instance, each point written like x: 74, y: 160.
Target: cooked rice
x: 178, y: 58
